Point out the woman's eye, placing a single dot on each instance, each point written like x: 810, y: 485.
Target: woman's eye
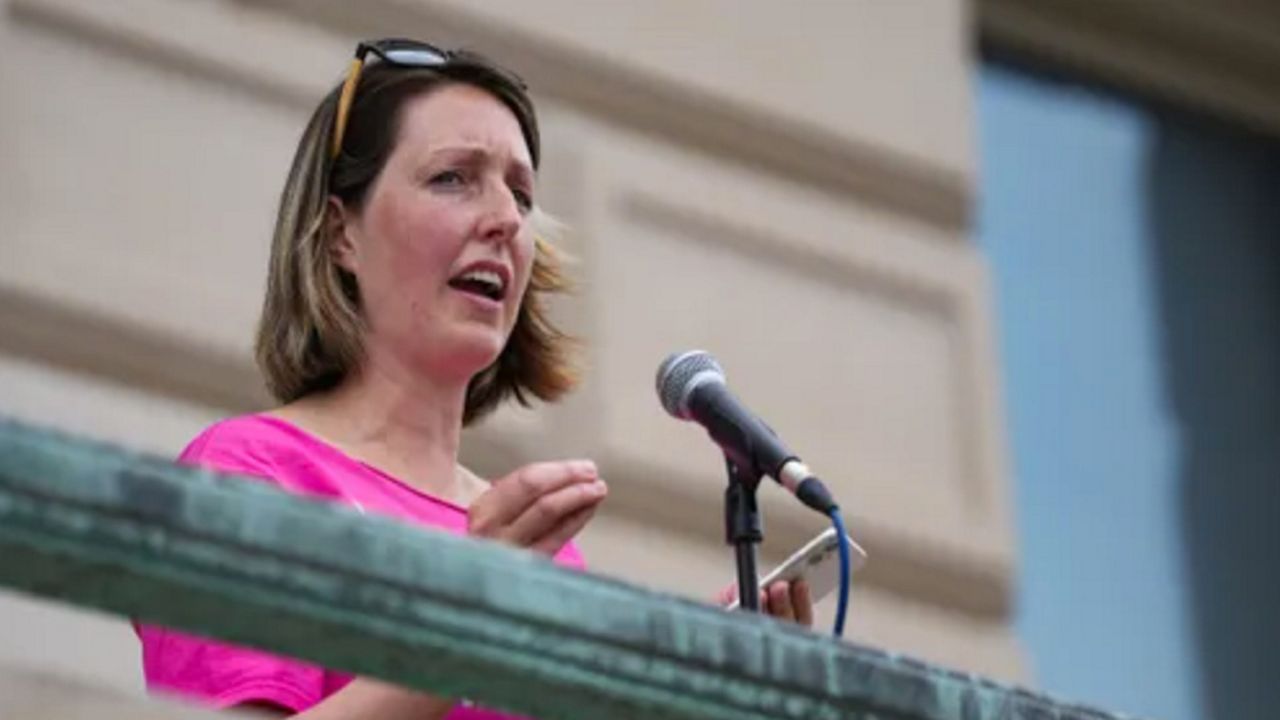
x: 523, y: 199
x: 448, y: 178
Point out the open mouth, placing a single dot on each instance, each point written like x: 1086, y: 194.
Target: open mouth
x: 485, y: 283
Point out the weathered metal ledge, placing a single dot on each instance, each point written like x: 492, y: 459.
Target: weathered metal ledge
x: 139, y: 536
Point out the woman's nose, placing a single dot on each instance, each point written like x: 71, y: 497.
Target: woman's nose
x: 502, y: 214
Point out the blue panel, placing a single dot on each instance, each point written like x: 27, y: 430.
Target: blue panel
x: 1103, y: 604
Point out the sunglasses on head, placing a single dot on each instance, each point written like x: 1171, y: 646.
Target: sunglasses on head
x: 401, y: 53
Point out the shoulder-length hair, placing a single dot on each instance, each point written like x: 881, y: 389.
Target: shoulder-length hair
x: 310, y: 334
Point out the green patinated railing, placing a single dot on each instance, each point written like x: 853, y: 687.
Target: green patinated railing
x: 139, y: 536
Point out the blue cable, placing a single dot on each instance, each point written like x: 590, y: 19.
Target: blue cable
x: 843, y: 606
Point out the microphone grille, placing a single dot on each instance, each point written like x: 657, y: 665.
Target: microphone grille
x: 680, y: 374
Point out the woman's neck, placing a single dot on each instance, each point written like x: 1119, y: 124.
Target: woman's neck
x: 404, y: 426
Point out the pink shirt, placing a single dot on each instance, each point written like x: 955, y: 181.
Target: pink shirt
x: 222, y: 675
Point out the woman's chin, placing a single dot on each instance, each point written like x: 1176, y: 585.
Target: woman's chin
x: 472, y: 352
x: 457, y: 354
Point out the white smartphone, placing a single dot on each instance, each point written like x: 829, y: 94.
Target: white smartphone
x: 818, y: 562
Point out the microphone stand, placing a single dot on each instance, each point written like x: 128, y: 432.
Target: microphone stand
x: 743, y: 530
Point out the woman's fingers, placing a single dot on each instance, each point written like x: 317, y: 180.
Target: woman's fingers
x: 782, y: 599
x: 511, y: 496
x: 540, y: 506
x: 545, y: 515
x: 802, y: 602
x: 553, y: 541
x: 779, y: 603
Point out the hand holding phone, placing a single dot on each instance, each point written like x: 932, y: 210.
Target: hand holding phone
x: 818, y: 563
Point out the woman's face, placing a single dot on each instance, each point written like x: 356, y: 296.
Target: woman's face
x: 442, y: 250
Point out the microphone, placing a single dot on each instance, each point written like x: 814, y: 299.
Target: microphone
x: 691, y: 386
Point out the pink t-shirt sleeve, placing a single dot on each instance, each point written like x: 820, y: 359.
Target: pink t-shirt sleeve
x: 214, y: 673
x: 571, y: 557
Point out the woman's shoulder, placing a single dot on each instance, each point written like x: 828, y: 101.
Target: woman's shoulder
x: 270, y: 448
x: 260, y: 445
x: 244, y: 434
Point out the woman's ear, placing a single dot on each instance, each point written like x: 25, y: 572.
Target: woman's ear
x: 338, y: 230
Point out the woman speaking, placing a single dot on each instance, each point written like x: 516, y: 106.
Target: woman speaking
x: 406, y: 298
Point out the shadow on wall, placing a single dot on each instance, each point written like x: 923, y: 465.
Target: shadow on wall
x: 1215, y: 209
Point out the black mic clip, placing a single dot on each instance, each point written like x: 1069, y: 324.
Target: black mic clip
x: 743, y: 529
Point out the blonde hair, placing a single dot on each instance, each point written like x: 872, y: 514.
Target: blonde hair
x: 310, y: 334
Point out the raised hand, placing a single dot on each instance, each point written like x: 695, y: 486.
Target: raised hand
x: 539, y: 506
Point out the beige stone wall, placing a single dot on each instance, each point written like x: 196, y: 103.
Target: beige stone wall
x: 27, y: 695
x: 788, y: 188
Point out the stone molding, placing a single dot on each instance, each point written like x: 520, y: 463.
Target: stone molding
x: 1219, y: 58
